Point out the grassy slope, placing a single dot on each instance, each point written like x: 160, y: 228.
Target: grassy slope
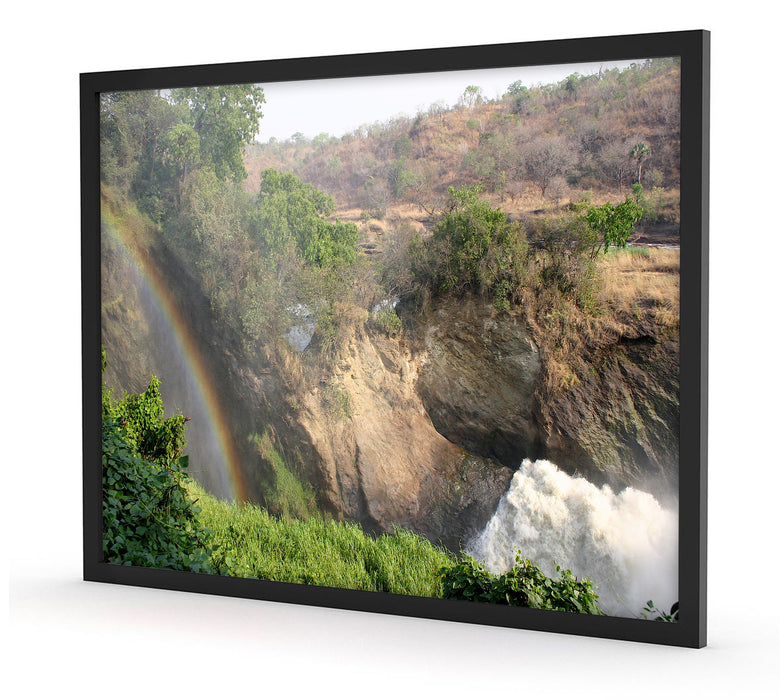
x: 251, y: 543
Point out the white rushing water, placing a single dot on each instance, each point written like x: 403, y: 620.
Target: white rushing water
x: 626, y: 543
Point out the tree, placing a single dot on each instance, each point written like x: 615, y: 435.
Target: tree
x: 491, y: 160
x: 613, y: 223
x: 130, y: 123
x: 477, y: 248
x: 546, y: 157
x: 291, y: 212
x: 323, y: 140
x: 640, y: 152
x: 403, y: 147
x: 226, y: 117
x: 181, y: 150
x: 615, y: 159
x: 420, y: 186
x: 570, y: 84
x: 518, y: 96
x: 472, y: 96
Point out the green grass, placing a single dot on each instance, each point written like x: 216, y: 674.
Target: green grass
x: 249, y: 542
x: 285, y: 494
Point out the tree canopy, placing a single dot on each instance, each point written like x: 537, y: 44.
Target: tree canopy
x: 225, y: 117
x: 152, y: 142
x: 291, y: 212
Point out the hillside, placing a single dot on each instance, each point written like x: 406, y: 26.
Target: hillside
x: 381, y: 329
x: 534, y: 150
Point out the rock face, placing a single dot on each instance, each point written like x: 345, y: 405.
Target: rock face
x: 481, y: 381
x: 478, y: 376
x: 621, y: 423
x: 358, y: 432
x: 423, y: 432
x: 383, y: 463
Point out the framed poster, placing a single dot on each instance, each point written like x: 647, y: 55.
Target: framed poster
x: 418, y: 332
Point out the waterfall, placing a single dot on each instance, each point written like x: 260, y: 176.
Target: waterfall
x: 626, y: 543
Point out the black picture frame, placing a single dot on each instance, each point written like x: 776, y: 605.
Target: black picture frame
x: 693, y: 49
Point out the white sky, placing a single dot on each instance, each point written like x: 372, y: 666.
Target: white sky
x: 338, y: 106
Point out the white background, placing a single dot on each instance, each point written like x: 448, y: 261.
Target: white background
x: 67, y: 635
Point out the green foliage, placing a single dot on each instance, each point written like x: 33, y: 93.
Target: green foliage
x: 524, y: 585
x: 564, y: 248
x: 180, y: 148
x: 652, y: 204
x: 148, y: 518
x: 151, y: 142
x: 614, y: 223
x: 519, y: 96
x: 494, y: 155
x: 472, y: 96
x: 403, y: 146
x: 659, y: 615
x: 225, y: 117
x: 153, y: 437
x: 640, y: 152
x: 387, y: 321
x: 475, y: 247
x: 291, y: 212
x: 249, y: 542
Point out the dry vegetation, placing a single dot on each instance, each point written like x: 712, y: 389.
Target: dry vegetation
x: 537, y: 153
x: 533, y: 150
x: 640, y: 281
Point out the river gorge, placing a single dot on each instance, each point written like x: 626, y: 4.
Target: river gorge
x: 446, y: 429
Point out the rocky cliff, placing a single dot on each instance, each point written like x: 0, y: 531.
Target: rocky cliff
x: 422, y: 431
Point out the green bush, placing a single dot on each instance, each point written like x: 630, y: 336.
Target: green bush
x: 152, y: 436
x: 474, y: 248
x: 387, y: 321
x: 148, y: 519
x: 613, y: 223
x: 564, y: 246
x: 525, y: 585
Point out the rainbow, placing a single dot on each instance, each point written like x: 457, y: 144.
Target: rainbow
x: 185, y: 345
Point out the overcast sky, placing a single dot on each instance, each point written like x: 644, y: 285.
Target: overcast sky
x: 338, y: 106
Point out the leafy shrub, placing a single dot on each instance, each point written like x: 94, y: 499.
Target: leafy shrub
x: 154, y: 438
x: 614, y: 223
x: 525, y: 585
x: 148, y: 519
x: 474, y: 248
x: 387, y: 321
x: 660, y: 615
x: 563, y: 245
x: 652, y: 205
x: 289, y: 210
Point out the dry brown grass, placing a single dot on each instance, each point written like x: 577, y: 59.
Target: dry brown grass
x: 642, y: 281
x: 639, y: 293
